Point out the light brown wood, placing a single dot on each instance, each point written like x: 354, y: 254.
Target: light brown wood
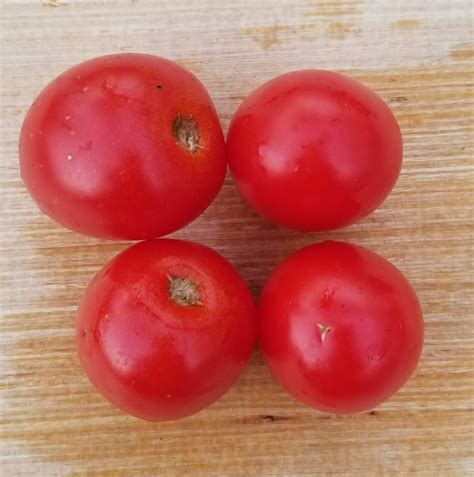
x: 418, y: 56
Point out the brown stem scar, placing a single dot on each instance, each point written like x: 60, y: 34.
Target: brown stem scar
x: 183, y: 291
x: 186, y: 132
x: 324, y: 330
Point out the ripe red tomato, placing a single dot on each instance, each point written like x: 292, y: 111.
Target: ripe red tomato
x: 165, y: 328
x: 314, y: 150
x: 125, y: 146
x: 340, y: 327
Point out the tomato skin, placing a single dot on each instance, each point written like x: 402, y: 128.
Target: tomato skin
x: 314, y: 150
x: 99, y: 153
x: 340, y: 327
x: 152, y: 357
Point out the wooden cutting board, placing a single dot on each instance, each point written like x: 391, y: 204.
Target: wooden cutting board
x: 419, y: 57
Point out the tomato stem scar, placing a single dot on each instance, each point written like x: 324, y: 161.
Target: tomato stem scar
x: 183, y: 291
x: 186, y: 132
x: 324, y: 330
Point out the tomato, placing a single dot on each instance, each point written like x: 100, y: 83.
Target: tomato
x: 165, y: 328
x: 340, y: 327
x: 314, y: 150
x: 125, y: 146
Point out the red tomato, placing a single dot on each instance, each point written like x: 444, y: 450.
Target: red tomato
x: 124, y: 146
x: 165, y: 328
x: 314, y: 150
x: 340, y: 327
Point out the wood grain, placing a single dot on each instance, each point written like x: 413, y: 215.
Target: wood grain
x: 419, y: 57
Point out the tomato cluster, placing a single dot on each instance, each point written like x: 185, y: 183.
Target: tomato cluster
x: 130, y: 147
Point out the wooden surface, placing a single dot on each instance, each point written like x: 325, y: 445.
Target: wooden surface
x: 418, y: 56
